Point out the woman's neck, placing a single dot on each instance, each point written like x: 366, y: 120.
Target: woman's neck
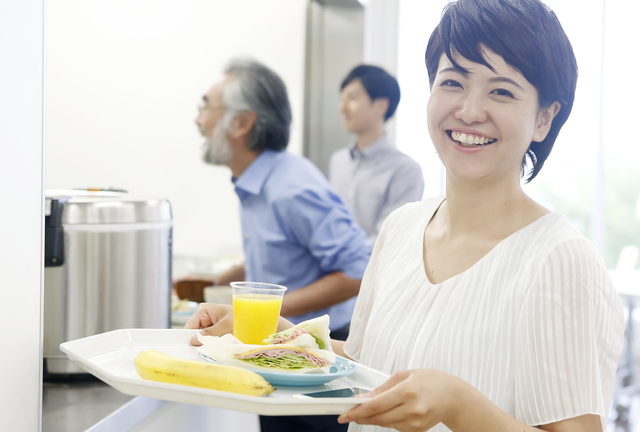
x: 494, y: 208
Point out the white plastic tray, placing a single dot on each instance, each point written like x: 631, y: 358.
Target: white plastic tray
x: 109, y: 356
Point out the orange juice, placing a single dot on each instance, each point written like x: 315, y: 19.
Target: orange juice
x: 255, y: 316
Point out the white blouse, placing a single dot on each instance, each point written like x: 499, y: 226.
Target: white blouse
x: 535, y: 325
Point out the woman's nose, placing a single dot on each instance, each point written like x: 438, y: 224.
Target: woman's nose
x: 471, y: 109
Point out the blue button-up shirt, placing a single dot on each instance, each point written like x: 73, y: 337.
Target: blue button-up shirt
x: 297, y: 230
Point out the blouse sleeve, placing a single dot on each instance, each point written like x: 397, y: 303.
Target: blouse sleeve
x: 366, y: 297
x: 570, y: 334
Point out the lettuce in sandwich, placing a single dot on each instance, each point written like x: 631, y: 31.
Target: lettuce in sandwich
x: 279, y: 358
x: 310, y: 334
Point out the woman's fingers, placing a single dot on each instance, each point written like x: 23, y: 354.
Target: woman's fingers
x: 214, y: 319
x: 204, y: 316
x: 384, y: 398
x: 401, y: 418
x: 214, y: 330
x: 393, y: 381
x: 404, y: 402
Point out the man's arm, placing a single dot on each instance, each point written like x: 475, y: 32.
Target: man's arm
x: 234, y: 274
x: 192, y: 287
x: 330, y: 290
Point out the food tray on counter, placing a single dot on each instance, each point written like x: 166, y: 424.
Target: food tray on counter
x: 109, y: 356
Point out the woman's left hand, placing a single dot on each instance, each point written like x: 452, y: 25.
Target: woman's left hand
x: 410, y: 401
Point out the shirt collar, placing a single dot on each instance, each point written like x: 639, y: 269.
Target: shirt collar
x: 379, y: 146
x: 252, y: 180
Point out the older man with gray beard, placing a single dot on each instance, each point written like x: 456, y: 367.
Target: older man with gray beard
x: 216, y: 149
x: 296, y: 231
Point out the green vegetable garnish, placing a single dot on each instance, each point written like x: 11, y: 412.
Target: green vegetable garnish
x: 287, y: 361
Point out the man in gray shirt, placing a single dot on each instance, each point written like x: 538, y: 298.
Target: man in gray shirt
x: 371, y: 174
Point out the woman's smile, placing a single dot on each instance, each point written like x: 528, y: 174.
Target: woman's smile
x: 470, y: 139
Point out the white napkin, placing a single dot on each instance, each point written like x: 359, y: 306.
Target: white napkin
x: 213, y: 346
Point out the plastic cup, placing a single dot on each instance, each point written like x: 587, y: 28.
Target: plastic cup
x: 256, y: 309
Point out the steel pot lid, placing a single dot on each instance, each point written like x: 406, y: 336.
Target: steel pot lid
x: 99, y: 210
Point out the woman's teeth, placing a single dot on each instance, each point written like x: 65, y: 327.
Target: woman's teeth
x: 469, y: 140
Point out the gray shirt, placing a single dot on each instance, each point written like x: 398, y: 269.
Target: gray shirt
x: 375, y: 182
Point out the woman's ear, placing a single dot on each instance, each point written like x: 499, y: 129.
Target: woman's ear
x: 242, y: 124
x: 545, y: 118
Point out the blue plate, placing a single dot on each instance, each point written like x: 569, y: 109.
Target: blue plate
x: 342, y: 367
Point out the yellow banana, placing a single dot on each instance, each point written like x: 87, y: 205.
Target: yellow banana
x: 157, y: 366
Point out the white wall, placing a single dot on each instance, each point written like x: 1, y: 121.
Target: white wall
x: 21, y: 80
x: 124, y: 78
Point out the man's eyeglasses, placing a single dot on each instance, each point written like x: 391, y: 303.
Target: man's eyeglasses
x: 203, y: 107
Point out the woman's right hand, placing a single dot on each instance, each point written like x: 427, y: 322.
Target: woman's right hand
x: 213, y: 319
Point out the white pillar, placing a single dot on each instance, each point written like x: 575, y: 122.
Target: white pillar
x: 21, y: 185
x: 381, y: 39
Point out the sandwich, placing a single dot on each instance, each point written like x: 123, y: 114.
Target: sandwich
x: 305, y: 347
x: 279, y: 358
x: 310, y: 334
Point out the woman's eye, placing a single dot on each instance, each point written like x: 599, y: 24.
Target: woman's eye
x: 503, y: 92
x: 450, y: 83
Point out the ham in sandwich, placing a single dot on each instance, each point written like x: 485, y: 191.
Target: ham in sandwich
x: 313, y: 333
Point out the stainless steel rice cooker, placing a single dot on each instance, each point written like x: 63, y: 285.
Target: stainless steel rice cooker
x: 107, y: 266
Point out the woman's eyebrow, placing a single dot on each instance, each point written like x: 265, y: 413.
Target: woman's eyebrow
x: 452, y: 69
x: 491, y: 80
x: 506, y: 80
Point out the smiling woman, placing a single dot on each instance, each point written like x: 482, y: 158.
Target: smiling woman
x: 491, y: 312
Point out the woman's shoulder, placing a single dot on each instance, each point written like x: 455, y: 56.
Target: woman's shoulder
x: 553, y: 230
x: 407, y: 222
x: 417, y: 210
x: 549, y: 248
x: 564, y: 252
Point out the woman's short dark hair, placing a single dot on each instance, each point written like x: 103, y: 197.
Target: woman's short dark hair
x: 378, y: 84
x: 258, y: 89
x: 528, y: 35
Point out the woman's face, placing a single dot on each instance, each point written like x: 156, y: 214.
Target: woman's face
x: 482, y: 122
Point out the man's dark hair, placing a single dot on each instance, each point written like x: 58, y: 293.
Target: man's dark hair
x: 378, y: 84
x: 528, y: 35
x: 258, y: 89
